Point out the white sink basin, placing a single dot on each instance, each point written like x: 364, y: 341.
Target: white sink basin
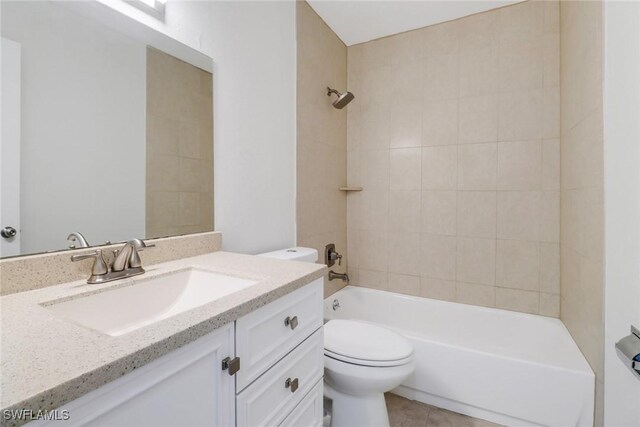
x: 146, y: 301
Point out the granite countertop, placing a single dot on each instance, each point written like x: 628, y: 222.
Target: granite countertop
x: 47, y: 361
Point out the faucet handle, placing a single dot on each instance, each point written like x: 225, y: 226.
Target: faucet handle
x: 134, y: 258
x: 99, y: 266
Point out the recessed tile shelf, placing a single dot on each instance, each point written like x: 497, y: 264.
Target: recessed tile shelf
x: 350, y: 188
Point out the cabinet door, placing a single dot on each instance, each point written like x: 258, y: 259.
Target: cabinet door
x: 186, y: 387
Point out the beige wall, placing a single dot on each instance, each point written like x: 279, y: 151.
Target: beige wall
x: 454, y: 137
x: 179, y: 189
x: 582, y: 194
x: 321, y: 140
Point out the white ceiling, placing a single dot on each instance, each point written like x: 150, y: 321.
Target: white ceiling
x: 358, y: 21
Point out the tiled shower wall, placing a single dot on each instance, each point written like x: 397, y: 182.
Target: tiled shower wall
x: 582, y: 146
x: 454, y: 135
x: 179, y: 166
x: 322, y: 139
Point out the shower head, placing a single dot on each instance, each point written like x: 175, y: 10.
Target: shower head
x: 343, y: 98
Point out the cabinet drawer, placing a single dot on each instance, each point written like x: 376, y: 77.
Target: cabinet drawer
x: 309, y: 412
x: 263, y: 337
x: 271, y: 397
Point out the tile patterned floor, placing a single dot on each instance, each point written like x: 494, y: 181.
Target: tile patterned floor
x: 409, y: 413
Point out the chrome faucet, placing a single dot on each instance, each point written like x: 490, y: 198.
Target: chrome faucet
x: 126, y: 263
x: 343, y: 276
x: 77, y: 236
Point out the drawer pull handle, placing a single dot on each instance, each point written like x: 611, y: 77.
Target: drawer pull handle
x: 293, y: 383
x: 233, y: 365
x: 291, y: 322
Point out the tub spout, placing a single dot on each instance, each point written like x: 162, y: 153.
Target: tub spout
x: 343, y: 276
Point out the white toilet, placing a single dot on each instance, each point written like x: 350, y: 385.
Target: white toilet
x: 361, y: 362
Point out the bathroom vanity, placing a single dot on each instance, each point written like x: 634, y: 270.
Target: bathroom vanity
x: 251, y: 357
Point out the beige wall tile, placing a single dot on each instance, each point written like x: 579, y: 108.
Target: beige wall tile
x: 321, y: 209
x: 440, y: 122
x: 521, y: 22
x: 477, y: 166
x: 405, y: 169
x: 406, y: 75
x: 551, y: 164
x: 478, y: 119
x: 478, y: 30
x: 162, y: 172
x: 405, y: 211
x: 440, y: 77
x: 469, y: 293
x: 519, y: 165
x: 375, y: 127
x: 189, y: 210
x: 438, y: 289
x: 479, y: 71
x: 438, y: 256
x: 404, y: 253
x: 521, y: 65
x: 374, y: 169
x: 552, y: 17
x: 162, y: 135
x: 405, y: 47
x: 163, y: 210
x: 517, y: 300
x: 520, y: 115
x: 404, y: 284
x: 374, y: 250
x: 549, y: 225
x: 550, y: 268
x: 374, y: 212
x: 551, y: 113
x: 549, y: 305
x: 373, y: 279
x: 480, y: 96
x: 518, y: 264
x: 406, y: 125
x: 476, y: 260
x: 439, y: 212
x: 440, y: 39
x: 519, y: 215
x: 582, y: 162
x: 476, y: 214
x: 439, y: 168
x: 551, y: 59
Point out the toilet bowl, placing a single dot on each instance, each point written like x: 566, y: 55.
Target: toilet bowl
x: 362, y: 361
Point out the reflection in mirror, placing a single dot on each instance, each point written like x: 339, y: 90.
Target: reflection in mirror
x: 107, y: 129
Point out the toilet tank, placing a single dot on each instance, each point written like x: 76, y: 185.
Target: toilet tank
x: 294, y: 254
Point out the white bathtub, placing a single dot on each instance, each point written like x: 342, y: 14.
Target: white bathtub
x: 510, y: 368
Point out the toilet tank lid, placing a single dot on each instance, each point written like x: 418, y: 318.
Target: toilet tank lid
x: 297, y: 253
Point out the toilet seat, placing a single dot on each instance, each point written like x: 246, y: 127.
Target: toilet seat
x: 365, y: 344
x: 370, y: 363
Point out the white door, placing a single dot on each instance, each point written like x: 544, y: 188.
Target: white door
x: 10, y: 149
x: 622, y: 205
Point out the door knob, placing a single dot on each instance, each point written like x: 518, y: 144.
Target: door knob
x: 8, y: 232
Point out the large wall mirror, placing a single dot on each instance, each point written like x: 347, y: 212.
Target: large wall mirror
x: 107, y: 129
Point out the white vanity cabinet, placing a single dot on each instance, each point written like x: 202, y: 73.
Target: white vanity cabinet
x: 186, y: 387
x: 279, y: 382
